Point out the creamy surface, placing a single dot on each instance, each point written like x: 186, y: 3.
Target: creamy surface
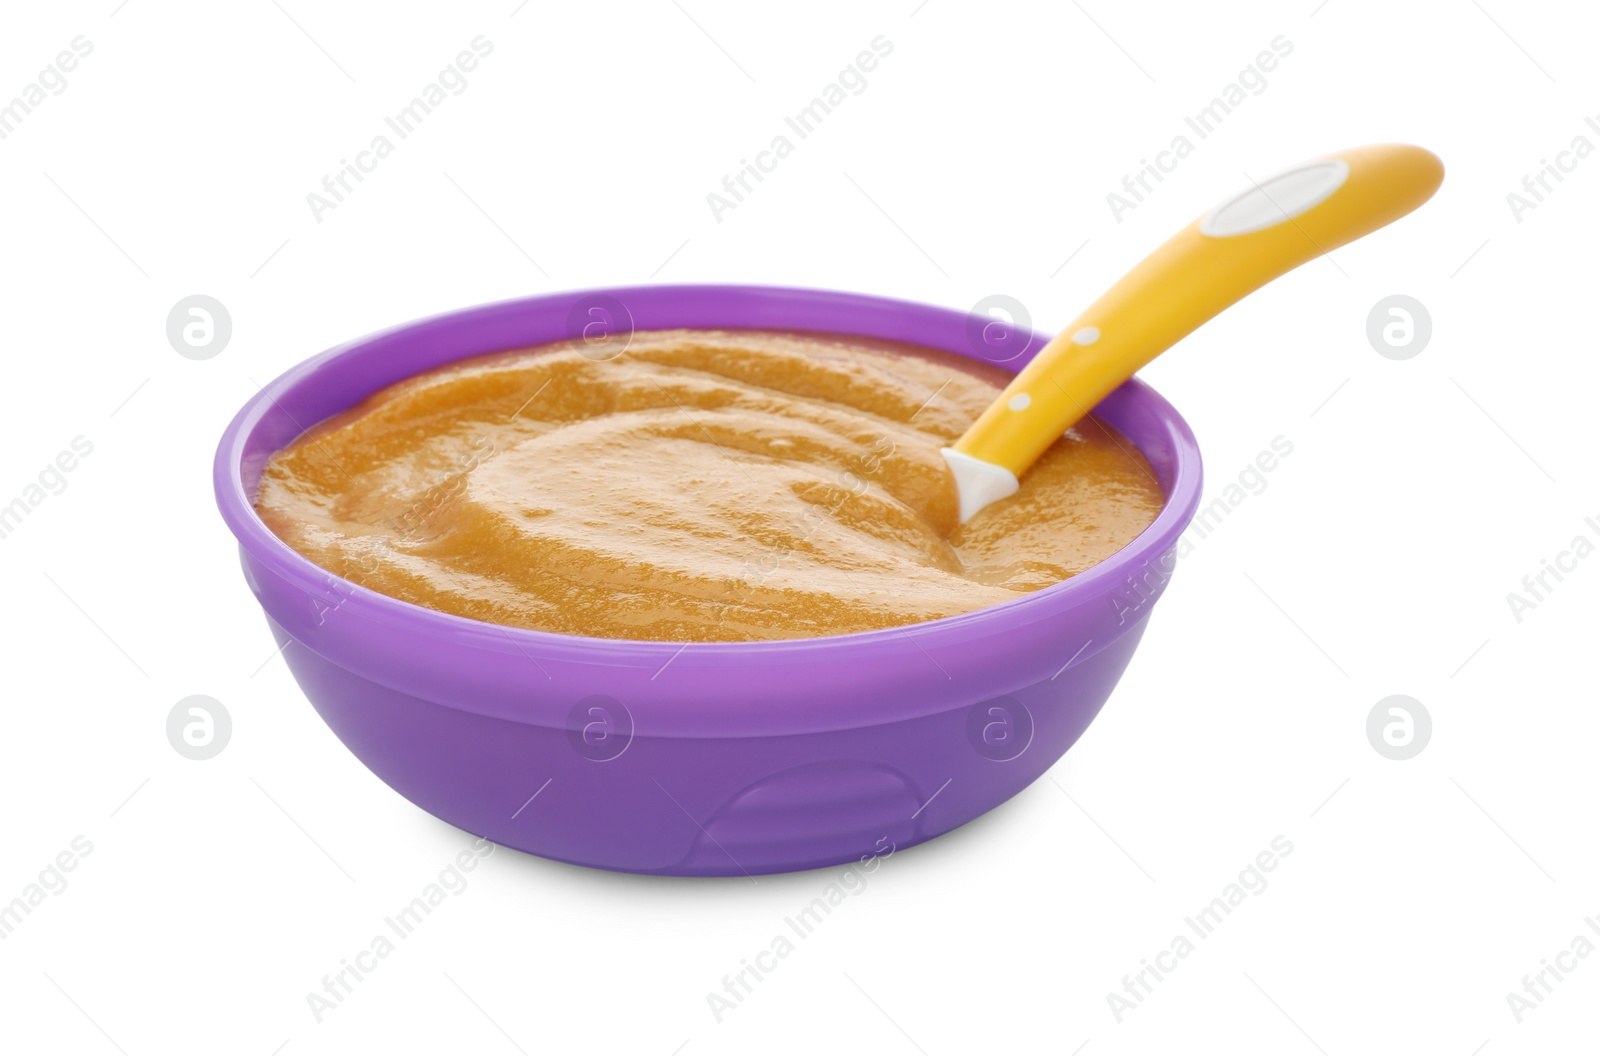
x: 696, y: 486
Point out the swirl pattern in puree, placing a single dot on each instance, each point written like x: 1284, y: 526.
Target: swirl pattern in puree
x: 699, y: 486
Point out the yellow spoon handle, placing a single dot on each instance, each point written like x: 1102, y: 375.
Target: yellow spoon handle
x: 1242, y: 244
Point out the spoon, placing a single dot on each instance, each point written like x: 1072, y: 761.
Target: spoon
x: 1252, y: 238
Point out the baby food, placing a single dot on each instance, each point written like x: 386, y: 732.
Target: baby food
x: 693, y: 486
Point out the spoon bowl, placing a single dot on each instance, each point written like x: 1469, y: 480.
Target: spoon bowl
x: 709, y: 759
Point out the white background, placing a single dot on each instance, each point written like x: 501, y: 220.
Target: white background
x: 1377, y: 560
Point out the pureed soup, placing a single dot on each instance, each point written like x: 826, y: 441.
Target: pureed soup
x: 694, y: 486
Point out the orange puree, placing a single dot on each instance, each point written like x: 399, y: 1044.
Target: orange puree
x: 697, y: 486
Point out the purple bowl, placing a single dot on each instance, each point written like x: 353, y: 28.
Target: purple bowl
x: 700, y: 759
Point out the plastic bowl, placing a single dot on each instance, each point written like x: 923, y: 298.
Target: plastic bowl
x: 703, y: 759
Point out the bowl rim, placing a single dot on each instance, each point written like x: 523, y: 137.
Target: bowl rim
x: 259, y: 542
